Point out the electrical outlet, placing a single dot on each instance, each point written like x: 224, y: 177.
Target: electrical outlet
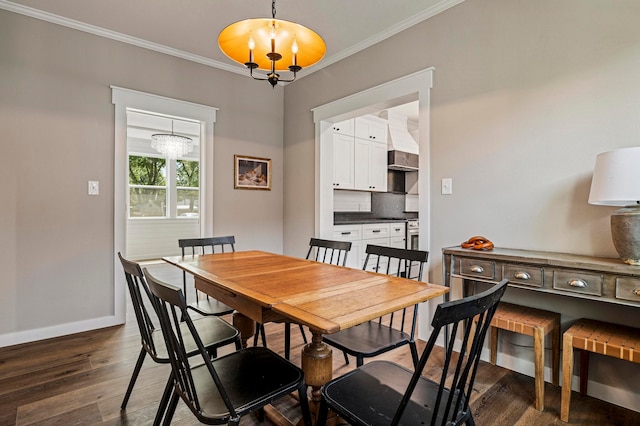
x: 94, y: 187
x: 447, y: 186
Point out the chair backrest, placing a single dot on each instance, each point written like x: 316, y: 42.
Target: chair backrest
x: 137, y: 285
x: 172, y: 308
x: 329, y: 251
x: 398, y: 262
x: 458, y: 373
x: 200, y: 245
x: 193, y: 246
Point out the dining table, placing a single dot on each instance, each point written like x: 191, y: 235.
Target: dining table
x: 268, y: 287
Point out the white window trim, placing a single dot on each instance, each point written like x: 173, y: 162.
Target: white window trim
x: 124, y: 99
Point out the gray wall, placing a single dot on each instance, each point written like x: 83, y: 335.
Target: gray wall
x: 57, y: 119
x: 526, y: 94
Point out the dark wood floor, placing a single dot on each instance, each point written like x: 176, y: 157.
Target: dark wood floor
x: 81, y: 379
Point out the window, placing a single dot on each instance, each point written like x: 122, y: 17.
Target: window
x: 188, y: 188
x: 160, y: 187
x: 147, y: 187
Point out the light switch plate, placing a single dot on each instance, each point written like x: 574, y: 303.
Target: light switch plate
x: 94, y: 187
x: 447, y: 186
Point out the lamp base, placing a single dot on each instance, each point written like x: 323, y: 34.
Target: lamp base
x: 625, y: 232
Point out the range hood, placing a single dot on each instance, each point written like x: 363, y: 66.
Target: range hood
x: 403, y: 148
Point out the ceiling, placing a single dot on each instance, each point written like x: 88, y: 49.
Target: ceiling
x: 189, y: 29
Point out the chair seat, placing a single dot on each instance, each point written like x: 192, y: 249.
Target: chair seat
x: 213, y: 331
x: 211, y: 306
x: 369, y: 339
x: 252, y: 377
x: 385, y: 384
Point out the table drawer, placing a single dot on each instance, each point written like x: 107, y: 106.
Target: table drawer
x: 523, y: 275
x: 628, y: 289
x: 578, y: 282
x: 478, y: 268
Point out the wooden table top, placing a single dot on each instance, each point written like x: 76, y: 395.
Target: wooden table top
x: 327, y: 298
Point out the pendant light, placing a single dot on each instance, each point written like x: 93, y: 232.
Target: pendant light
x: 272, y: 45
x: 170, y: 145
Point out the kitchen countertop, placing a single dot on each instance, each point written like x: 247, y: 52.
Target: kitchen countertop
x: 356, y: 221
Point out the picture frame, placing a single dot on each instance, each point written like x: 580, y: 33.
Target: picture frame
x: 251, y: 172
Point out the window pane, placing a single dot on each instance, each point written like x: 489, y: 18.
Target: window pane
x: 147, y: 171
x: 188, y: 202
x: 188, y: 173
x: 147, y: 202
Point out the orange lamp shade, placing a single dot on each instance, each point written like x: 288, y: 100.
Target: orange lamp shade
x: 287, y: 37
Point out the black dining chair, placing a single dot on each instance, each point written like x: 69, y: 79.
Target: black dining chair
x: 325, y: 251
x: 193, y: 246
x: 214, y: 331
x: 382, y: 393
x: 373, y: 338
x: 220, y: 390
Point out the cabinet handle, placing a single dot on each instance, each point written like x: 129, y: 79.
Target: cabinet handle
x: 636, y: 292
x: 477, y: 269
x: 522, y: 275
x: 376, y: 230
x: 398, y: 229
x: 577, y: 282
x: 346, y: 233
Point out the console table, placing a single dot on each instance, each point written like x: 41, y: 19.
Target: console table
x: 596, y: 278
x: 586, y: 277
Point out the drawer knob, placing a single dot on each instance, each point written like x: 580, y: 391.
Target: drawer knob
x: 477, y: 269
x: 522, y: 275
x: 577, y: 282
x: 636, y: 292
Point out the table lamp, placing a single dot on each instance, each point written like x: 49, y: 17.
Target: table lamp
x: 616, y: 182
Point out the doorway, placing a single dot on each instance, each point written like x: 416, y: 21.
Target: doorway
x: 410, y: 88
x: 125, y: 101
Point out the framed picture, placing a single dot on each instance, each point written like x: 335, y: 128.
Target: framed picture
x: 252, y: 173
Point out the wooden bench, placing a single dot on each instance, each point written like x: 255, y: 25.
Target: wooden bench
x: 531, y: 322
x: 603, y: 338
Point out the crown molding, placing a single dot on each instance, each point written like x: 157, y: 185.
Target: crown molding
x: 388, y: 32
x: 113, y: 35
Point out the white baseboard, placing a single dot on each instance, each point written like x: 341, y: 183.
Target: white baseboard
x: 27, y: 336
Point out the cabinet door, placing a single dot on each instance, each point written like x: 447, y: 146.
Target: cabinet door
x: 374, y: 265
x: 361, y: 167
x: 344, y: 127
x: 370, y: 168
x: 378, y: 166
x: 371, y: 128
x: 343, y: 161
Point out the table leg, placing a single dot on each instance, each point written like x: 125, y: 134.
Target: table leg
x: 317, y: 364
x: 245, y: 325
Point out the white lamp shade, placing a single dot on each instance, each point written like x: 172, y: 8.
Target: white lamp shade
x: 616, y: 178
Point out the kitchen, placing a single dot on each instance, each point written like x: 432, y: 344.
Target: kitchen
x: 375, y: 180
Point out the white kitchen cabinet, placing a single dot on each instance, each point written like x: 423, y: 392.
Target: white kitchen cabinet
x: 343, y: 161
x: 370, y: 168
x: 397, y: 237
x: 371, y: 128
x: 352, y: 233
x: 346, y: 127
x: 379, y: 233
